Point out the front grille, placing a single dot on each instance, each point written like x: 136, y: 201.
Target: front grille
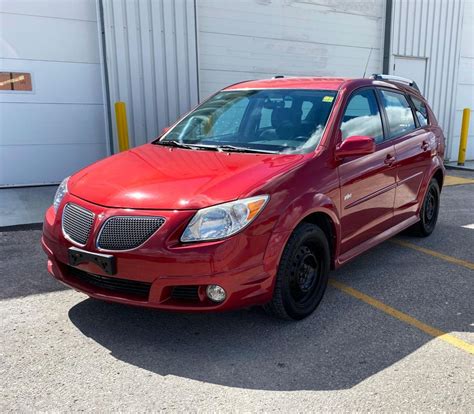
x: 77, y: 223
x: 113, y: 284
x: 127, y: 232
x: 185, y: 293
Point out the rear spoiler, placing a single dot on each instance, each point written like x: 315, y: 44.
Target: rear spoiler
x: 409, y: 82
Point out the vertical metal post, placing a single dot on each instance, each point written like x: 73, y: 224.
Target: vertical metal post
x: 387, y: 37
x: 122, y: 126
x: 466, y: 114
x: 105, y: 76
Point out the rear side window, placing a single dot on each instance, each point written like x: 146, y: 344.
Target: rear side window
x: 399, y: 113
x: 362, y: 116
x: 420, y: 111
x: 306, y: 106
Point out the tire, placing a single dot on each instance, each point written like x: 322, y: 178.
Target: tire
x: 302, y: 275
x: 429, y: 211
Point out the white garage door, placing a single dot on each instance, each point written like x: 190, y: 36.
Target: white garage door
x: 58, y: 126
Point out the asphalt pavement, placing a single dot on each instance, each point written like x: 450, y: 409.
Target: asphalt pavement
x: 395, y: 332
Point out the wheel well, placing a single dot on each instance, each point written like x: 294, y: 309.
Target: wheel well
x: 439, y: 177
x: 325, y: 223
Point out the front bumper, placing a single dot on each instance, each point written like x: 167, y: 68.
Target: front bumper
x: 162, y: 263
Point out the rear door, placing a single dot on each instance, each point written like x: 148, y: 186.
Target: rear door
x: 367, y: 182
x: 413, y: 143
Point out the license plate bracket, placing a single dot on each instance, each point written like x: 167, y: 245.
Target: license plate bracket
x: 106, y: 262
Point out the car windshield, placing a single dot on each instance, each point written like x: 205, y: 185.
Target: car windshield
x: 271, y: 120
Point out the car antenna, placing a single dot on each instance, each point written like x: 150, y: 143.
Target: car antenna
x: 367, y: 64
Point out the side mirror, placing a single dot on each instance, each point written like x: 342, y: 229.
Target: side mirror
x: 355, y: 146
x: 165, y: 130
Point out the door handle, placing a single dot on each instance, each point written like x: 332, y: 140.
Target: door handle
x: 389, y: 160
x: 425, y: 145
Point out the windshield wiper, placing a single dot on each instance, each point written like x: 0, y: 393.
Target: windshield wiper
x: 232, y: 148
x: 221, y: 148
x: 177, y: 144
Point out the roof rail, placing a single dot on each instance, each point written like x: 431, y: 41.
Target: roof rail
x: 409, y: 82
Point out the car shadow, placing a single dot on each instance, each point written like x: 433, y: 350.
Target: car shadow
x: 342, y: 344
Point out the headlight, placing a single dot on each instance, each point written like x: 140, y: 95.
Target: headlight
x: 60, y: 193
x: 223, y: 220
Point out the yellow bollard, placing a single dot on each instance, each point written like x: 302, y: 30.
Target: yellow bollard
x: 466, y: 114
x: 122, y: 126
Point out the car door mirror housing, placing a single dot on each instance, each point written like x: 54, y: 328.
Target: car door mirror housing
x: 355, y: 146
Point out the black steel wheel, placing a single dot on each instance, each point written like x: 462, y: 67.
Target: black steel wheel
x: 302, y: 274
x: 429, y: 210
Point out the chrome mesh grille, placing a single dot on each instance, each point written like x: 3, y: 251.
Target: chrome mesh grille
x: 127, y: 232
x: 77, y: 223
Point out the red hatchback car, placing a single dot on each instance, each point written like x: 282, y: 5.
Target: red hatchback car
x: 252, y: 197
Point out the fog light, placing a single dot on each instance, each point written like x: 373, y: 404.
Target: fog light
x: 215, y: 293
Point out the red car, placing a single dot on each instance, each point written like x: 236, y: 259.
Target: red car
x: 252, y: 197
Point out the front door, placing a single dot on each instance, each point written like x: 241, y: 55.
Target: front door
x: 367, y: 182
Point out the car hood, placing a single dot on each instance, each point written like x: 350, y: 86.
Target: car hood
x: 158, y: 177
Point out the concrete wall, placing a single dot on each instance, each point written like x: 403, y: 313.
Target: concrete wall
x: 249, y: 39
x: 59, y: 127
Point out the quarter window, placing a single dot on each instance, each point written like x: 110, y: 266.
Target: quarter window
x: 362, y: 116
x: 399, y: 113
x: 420, y: 111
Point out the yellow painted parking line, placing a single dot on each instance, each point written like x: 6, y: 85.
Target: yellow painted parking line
x: 452, y: 180
x: 433, y: 253
x: 435, y: 333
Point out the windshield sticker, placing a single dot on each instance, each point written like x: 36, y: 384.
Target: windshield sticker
x: 328, y: 99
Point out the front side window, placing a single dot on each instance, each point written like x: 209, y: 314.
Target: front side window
x: 362, y: 116
x: 399, y: 113
x: 273, y: 120
x: 420, y: 111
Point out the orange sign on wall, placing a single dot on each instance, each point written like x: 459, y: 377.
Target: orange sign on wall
x: 15, y: 81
